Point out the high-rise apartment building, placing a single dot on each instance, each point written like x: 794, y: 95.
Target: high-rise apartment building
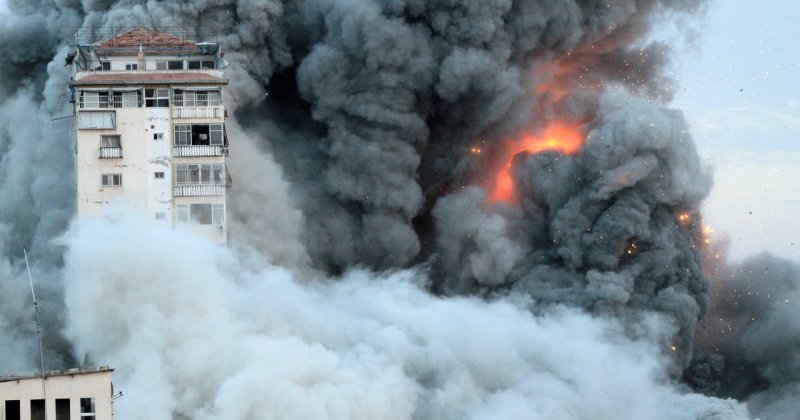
x: 150, y: 121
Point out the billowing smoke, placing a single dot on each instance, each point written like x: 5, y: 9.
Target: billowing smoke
x: 372, y: 273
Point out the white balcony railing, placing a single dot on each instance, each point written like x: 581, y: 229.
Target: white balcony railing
x: 197, y: 112
x: 110, y: 152
x: 199, y: 151
x: 199, y: 190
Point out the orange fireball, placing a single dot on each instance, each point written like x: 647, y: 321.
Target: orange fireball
x: 559, y: 137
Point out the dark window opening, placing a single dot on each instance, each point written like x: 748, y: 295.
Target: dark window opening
x: 37, y: 409
x: 199, y: 135
x: 175, y: 65
x: 12, y: 410
x: 62, y: 409
x: 204, y: 64
x: 106, y: 65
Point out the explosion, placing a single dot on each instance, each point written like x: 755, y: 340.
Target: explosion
x: 558, y: 137
x: 357, y: 283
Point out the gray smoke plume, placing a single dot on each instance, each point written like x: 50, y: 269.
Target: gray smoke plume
x: 361, y: 232
x: 755, y: 326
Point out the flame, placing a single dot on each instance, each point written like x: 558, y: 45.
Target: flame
x: 559, y: 137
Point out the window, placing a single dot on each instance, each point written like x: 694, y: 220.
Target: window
x: 204, y: 64
x: 12, y: 410
x: 128, y: 99
x: 131, y: 67
x: 37, y: 409
x: 111, y: 180
x: 175, y: 65
x: 203, y: 214
x: 183, y: 135
x: 159, y: 175
x: 156, y: 98
x: 160, y: 215
x: 106, y: 65
x: 158, y: 136
x: 62, y: 409
x: 110, y: 141
x: 210, y: 174
x: 192, y: 98
x: 87, y: 408
x: 199, y: 135
x: 94, y: 100
x: 96, y: 119
x: 161, y: 65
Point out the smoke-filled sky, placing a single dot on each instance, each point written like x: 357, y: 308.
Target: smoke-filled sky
x: 406, y: 241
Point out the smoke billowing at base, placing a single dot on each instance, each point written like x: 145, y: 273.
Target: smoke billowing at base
x: 407, y: 240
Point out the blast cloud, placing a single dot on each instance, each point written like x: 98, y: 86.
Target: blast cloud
x: 360, y: 235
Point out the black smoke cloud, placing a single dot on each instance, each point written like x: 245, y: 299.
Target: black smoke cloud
x: 354, y: 119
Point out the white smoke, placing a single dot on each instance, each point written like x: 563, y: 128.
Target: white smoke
x: 198, y: 331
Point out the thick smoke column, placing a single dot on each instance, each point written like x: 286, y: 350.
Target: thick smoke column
x: 354, y: 124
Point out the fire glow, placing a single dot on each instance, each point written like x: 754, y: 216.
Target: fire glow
x: 558, y: 137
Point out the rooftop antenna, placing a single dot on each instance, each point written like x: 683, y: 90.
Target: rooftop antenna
x: 38, y: 330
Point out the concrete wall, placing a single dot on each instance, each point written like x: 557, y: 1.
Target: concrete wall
x: 95, y: 385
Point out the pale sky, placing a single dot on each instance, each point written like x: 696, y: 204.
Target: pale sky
x: 739, y: 87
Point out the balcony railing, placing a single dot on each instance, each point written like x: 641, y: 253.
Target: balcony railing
x: 199, y: 151
x: 110, y: 152
x: 197, y: 112
x: 199, y: 190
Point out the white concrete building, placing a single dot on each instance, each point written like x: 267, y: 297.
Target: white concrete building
x: 76, y: 394
x: 150, y: 124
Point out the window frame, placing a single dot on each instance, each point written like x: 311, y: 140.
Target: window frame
x: 110, y: 140
x: 156, y: 97
x: 91, y: 412
x: 111, y: 180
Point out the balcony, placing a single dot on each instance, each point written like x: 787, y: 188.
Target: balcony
x: 199, y: 190
x: 197, y: 112
x: 199, y: 151
x: 110, y: 152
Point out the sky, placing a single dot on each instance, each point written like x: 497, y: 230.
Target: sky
x: 739, y: 87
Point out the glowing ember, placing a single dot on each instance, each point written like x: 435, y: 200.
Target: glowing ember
x: 558, y: 137
x: 683, y: 217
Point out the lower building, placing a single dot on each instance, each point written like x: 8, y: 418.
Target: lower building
x: 75, y: 394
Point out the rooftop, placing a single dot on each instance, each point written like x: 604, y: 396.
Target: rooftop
x: 53, y: 373
x: 152, y: 42
x: 138, y: 78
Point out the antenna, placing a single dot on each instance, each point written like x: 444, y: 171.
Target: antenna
x: 38, y: 330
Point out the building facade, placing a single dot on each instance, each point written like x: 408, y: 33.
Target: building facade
x: 77, y: 394
x: 150, y: 125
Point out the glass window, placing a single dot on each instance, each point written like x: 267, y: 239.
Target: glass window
x: 110, y: 141
x: 87, y: 408
x: 161, y: 65
x: 215, y: 131
x: 200, y: 213
x: 131, y: 67
x: 175, y: 65
x: 159, y: 175
x: 155, y: 98
x: 111, y: 180
x: 183, y: 135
